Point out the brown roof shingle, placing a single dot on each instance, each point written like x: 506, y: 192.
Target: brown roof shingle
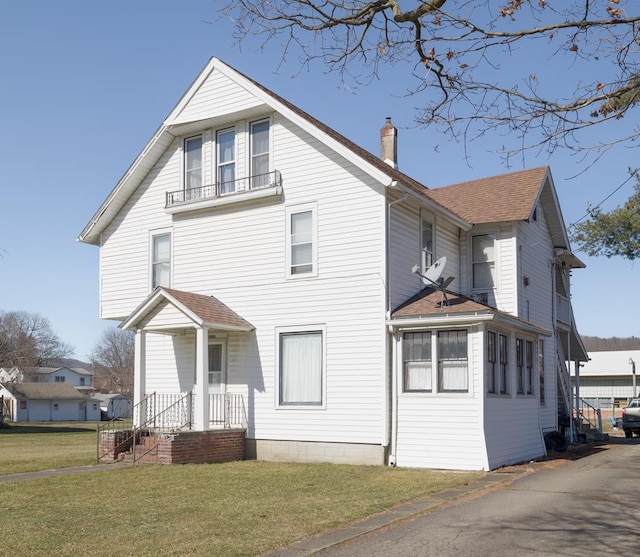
x: 504, y: 198
x: 209, y: 309
x: 44, y: 391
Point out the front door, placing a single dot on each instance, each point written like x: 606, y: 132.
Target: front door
x: 216, y: 382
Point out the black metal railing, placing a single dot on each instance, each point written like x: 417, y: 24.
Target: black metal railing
x: 221, y: 189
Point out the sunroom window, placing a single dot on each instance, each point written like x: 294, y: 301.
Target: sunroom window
x: 453, y: 369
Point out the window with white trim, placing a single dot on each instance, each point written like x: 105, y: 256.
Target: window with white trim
x: 226, y: 161
x: 59, y: 379
x: 520, y: 371
x: 301, y: 241
x: 426, y: 243
x: 504, y: 364
x: 161, y: 260
x: 417, y: 362
x: 193, y: 162
x: 301, y: 368
x: 528, y: 362
x: 492, y: 364
x: 453, y: 368
x: 259, y: 153
x: 483, y: 260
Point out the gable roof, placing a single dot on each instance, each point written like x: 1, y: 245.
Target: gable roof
x: 44, y: 391
x: 508, y: 198
x: 198, y: 310
x: 49, y: 370
x: 426, y: 308
x: 486, y: 200
x: 175, y: 125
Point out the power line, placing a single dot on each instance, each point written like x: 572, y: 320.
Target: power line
x: 632, y: 174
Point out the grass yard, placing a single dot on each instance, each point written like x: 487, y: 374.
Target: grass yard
x: 32, y: 446
x: 232, y: 509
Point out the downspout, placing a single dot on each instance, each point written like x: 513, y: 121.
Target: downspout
x: 394, y: 341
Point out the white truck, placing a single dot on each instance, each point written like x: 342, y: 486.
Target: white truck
x: 631, y: 418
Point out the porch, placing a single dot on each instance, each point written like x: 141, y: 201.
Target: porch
x: 163, y: 431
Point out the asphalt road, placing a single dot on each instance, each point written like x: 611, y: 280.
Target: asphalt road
x: 590, y: 506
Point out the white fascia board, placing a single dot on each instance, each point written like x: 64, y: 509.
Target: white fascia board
x: 126, y: 186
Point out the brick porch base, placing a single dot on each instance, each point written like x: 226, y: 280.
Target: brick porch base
x: 182, y: 447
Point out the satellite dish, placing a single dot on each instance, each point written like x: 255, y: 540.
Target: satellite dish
x: 432, y: 278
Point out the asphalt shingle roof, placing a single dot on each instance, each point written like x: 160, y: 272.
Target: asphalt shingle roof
x: 503, y: 198
x: 44, y: 391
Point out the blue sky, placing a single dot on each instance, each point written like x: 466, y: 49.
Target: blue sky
x: 85, y: 84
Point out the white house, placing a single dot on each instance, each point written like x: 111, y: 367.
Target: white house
x: 42, y: 402
x: 265, y: 263
x: 80, y: 378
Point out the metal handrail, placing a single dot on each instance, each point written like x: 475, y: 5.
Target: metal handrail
x: 222, y: 189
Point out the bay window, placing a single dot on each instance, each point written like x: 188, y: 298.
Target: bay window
x: 453, y: 369
x: 417, y: 362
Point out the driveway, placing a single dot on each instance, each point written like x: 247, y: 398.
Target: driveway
x: 583, y: 507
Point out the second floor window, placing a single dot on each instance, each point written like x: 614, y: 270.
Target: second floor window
x: 193, y: 162
x: 226, y: 174
x: 59, y: 379
x: 426, y: 243
x: 161, y: 260
x: 301, y: 241
x: 259, y: 153
x: 483, y: 260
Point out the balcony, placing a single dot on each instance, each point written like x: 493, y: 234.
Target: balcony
x: 244, y: 189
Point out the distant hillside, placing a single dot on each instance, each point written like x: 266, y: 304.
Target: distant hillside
x: 70, y: 362
x: 599, y: 344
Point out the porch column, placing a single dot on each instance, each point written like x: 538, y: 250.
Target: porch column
x: 201, y: 418
x: 140, y: 373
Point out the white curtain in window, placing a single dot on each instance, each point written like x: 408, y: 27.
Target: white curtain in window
x: 193, y: 162
x: 260, y: 148
x: 454, y: 375
x: 418, y: 376
x: 301, y: 368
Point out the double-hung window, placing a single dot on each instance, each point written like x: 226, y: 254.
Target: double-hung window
x: 226, y: 157
x: 417, y: 362
x: 483, y: 260
x: 453, y: 369
x: 492, y: 364
x: 528, y: 362
x: 301, y: 364
x: 193, y: 166
x: 520, y: 372
x: 161, y: 260
x: 426, y: 243
x: 259, y: 149
x: 504, y: 364
x: 301, y: 241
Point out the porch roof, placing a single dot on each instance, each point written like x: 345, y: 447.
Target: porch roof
x: 190, y: 310
x: 427, y: 308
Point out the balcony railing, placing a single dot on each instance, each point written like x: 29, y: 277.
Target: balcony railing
x: 223, y: 189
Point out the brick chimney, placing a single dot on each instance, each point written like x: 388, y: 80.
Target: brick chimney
x: 389, y: 143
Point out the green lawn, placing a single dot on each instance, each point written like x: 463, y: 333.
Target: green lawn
x: 239, y: 508
x: 32, y: 446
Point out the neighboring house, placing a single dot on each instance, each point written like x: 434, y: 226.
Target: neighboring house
x: 77, y: 377
x: 265, y: 261
x: 608, y: 377
x: 114, y: 405
x: 42, y: 402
